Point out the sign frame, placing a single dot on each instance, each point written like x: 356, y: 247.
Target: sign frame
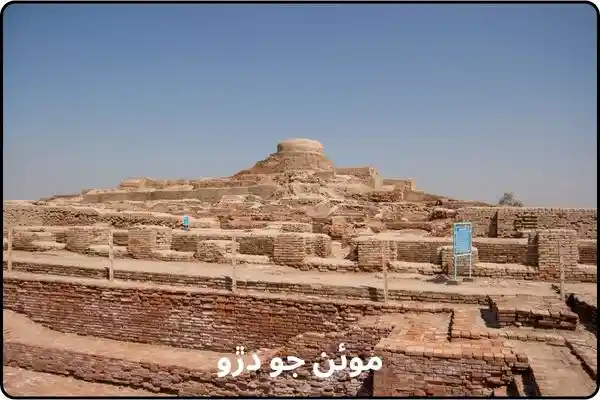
x: 462, y: 246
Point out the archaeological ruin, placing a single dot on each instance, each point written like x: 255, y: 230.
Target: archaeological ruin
x: 105, y: 293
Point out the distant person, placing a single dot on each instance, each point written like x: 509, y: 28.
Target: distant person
x: 185, y: 223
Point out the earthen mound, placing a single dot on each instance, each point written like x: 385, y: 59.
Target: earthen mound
x: 292, y: 155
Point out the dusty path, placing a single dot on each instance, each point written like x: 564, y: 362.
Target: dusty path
x: 557, y: 371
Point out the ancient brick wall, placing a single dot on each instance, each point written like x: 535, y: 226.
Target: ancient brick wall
x: 142, y: 243
x: 511, y: 220
x: 440, y: 373
x: 508, y: 222
x: 421, y: 250
x: 199, y: 319
x: 401, y: 183
x: 588, y: 250
x: 556, y: 246
x: 373, y: 252
x: 484, y: 219
x: 209, y: 194
x: 32, y: 215
x: 368, y: 175
x: 289, y: 249
x: 179, y: 380
x: 79, y: 238
x: 502, y: 251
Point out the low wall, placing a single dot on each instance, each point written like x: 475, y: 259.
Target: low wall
x: 208, y: 194
x: 369, y: 175
x: 507, y: 222
x: 200, y: 319
x: 442, y: 371
x: 588, y: 251
x: 401, y: 183
x: 33, y: 215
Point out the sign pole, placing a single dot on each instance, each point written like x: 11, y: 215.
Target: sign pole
x: 385, y: 271
x: 10, y: 246
x: 562, y: 274
x: 111, y: 256
x: 233, y: 267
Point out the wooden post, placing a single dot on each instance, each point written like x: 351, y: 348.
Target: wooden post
x: 111, y: 256
x: 384, y: 246
x: 562, y: 274
x: 9, y: 247
x: 233, y: 267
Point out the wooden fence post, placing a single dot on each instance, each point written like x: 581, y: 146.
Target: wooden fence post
x: 384, y: 267
x: 9, y: 247
x: 233, y: 267
x: 111, y: 256
x: 562, y: 274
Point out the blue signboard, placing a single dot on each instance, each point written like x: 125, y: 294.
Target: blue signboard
x: 462, y: 235
x: 185, y: 221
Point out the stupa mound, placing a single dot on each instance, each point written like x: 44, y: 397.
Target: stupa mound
x: 292, y: 155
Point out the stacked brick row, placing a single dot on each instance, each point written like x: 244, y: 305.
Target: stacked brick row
x: 318, y: 245
x: 512, y: 219
x: 214, y: 251
x: 372, y: 253
x: 505, y: 251
x: 186, y: 241
x: 289, y: 249
x: 79, y: 238
x: 421, y: 251
x: 261, y: 245
x: 535, y: 312
x: 141, y: 242
x: 296, y: 227
x: 556, y: 247
x: 588, y: 250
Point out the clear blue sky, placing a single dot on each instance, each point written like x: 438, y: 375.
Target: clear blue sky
x: 470, y: 100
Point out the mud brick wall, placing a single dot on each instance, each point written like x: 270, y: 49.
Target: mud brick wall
x: 588, y: 250
x: 142, y: 243
x: 164, y: 235
x: 442, y: 373
x: 319, y: 245
x: 401, y: 183
x: 484, y: 220
x: 33, y: 215
x: 372, y: 253
x: 200, y: 318
x: 368, y: 175
x: 295, y: 227
x: 186, y: 241
x: 556, y: 246
x: 174, y: 379
x: 208, y: 194
x: 421, y: 250
x: 257, y: 244
x: 79, y: 238
x: 214, y: 251
x: 289, y: 249
x: 513, y: 219
x: 503, y: 251
x: 462, y: 262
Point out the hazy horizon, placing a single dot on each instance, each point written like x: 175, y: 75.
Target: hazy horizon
x: 469, y: 100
